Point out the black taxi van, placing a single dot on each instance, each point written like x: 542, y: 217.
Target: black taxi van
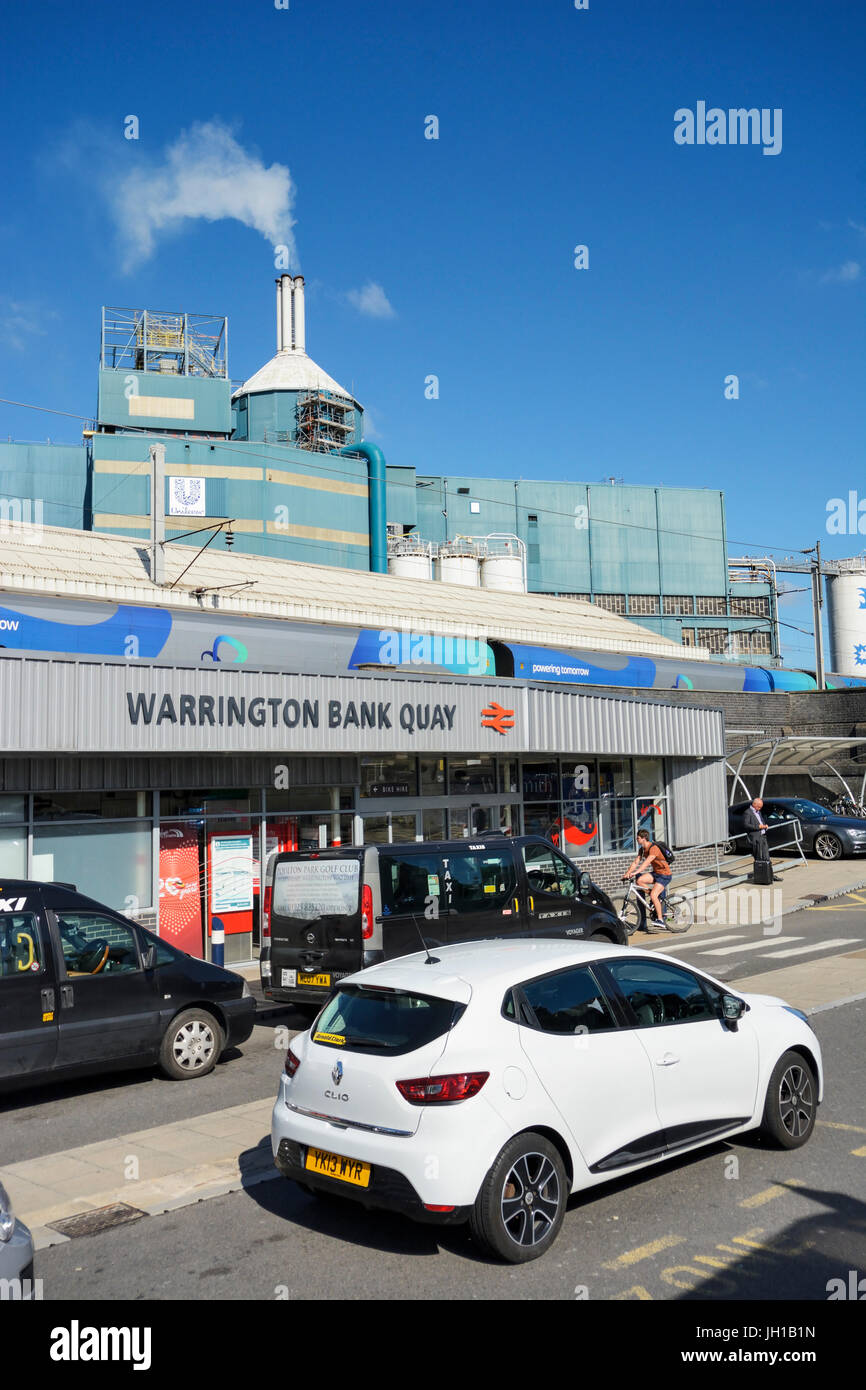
x: 84, y: 989
x: 328, y: 913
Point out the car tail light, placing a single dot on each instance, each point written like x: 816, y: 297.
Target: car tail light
x: 266, y: 913
x: 366, y: 912
x: 432, y: 1090
x: 292, y: 1062
x: 428, y: 1206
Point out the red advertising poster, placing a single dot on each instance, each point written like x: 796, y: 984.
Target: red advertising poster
x: 179, y: 902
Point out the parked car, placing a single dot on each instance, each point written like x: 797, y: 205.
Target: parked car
x: 84, y: 989
x: 487, y: 1082
x: 16, y: 1253
x: 825, y: 834
x: 329, y: 913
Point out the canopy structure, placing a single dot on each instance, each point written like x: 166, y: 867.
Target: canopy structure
x: 791, y: 751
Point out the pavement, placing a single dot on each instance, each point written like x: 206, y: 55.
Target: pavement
x: 187, y: 1161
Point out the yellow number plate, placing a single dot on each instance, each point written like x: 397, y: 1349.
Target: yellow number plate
x: 319, y: 980
x: 333, y: 1166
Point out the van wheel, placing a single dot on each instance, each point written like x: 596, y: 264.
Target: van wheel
x: 602, y: 936
x: 191, y: 1045
x: 521, y: 1205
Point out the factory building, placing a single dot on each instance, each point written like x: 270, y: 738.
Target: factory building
x: 282, y: 455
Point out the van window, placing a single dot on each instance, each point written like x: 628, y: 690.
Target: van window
x: 549, y: 872
x: 311, y: 888
x: 478, y: 880
x: 384, y: 1021
x: 410, y: 882
x: 94, y: 944
x: 20, y: 949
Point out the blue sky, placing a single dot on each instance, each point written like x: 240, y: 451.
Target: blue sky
x: 556, y: 129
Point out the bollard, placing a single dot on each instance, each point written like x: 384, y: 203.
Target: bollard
x: 217, y: 940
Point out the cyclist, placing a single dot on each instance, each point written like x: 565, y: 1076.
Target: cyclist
x: 652, y: 871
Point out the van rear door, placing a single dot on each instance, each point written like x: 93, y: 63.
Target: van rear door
x: 315, y: 922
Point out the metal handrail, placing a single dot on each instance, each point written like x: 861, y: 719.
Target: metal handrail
x: 797, y: 841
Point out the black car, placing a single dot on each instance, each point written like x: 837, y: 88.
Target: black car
x: 84, y: 989
x: 329, y: 913
x: 825, y: 835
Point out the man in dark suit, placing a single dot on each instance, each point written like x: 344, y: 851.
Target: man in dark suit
x: 756, y: 827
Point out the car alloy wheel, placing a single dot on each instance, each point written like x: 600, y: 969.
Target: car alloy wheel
x: 193, y: 1045
x: 828, y: 846
x: 796, y: 1101
x: 530, y: 1199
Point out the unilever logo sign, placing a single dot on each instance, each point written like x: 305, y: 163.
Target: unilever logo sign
x: 186, y: 497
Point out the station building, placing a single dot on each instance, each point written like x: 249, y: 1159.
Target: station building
x: 153, y: 756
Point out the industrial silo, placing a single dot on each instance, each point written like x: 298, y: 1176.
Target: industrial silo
x: 846, y: 605
x: 457, y: 563
x: 503, y: 564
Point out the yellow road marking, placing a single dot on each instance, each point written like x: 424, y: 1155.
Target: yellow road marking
x: 834, y: 1124
x: 831, y: 907
x: 769, y: 1193
x: 859, y: 1153
x: 643, y: 1252
x: 636, y: 1291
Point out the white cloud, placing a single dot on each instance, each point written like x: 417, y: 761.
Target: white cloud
x: 843, y: 274
x: 372, y: 301
x: 21, y: 322
x: 205, y: 173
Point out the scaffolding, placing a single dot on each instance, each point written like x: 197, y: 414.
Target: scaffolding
x: 326, y: 422
x: 145, y: 340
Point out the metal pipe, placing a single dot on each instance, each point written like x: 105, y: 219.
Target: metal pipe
x: 776, y: 743
x: 377, y: 477
x: 300, y: 327
x: 286, y: 313
x: 279, y: 314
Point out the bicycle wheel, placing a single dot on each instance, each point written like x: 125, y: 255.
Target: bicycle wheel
x: 679, y: 913
x: 630, y: 916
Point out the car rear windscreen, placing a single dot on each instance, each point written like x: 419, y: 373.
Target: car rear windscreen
x: 384, y: 1020
x: 310, y: 888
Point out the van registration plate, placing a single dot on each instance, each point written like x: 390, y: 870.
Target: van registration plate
x: 333, y: 1166
x: 320, y: 981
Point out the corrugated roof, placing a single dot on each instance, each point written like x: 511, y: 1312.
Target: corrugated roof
x: 89, y: 564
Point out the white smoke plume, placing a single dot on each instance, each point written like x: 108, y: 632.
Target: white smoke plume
x: 204, y: 173
x: 372, y: 301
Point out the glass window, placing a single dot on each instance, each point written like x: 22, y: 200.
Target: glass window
x: 660, y: 993
x: 577, y: 831
x: 20, y: 947
x: 111, y: 863
x: 308, y: 799
x: 570, y: 1002
x: 509, y: 819
x: 467, y: 776
x: 541, y: 818
x: 396, y: 775
x: 165, y: 954
x: 541, y: 781
x: 549, y: 872
x: 387, y: 1021
x: 478, y: 881
x: 13, y: 852
x: 13, y: 808
x: 410, y: 883
x: 208, y: 803
x: 94, y: 944
x: 91, y: 805
x: 310, y: 888
x: 434, y: 825
x: 614, y: 777
x: 432, y: 776
x: 508, y: 775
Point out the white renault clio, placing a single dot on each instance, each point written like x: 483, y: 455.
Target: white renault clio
x: 490, y: 1081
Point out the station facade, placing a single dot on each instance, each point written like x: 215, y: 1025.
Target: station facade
x: 109, y: 777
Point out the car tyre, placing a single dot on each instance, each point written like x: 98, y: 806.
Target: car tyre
x: 792, y: 1102
x: 827, y: 845
x: 521, y: 1204
x: 191, y: 1045
x: 603, y: 936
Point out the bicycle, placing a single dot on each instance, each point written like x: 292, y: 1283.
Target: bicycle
x: 677, y: 911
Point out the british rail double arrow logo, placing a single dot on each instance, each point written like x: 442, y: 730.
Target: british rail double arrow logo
x: 495, y: 717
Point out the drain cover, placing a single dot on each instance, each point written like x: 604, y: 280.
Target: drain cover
x: 90, y: 1223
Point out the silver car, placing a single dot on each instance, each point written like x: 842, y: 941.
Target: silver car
x: 16, y: 1253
